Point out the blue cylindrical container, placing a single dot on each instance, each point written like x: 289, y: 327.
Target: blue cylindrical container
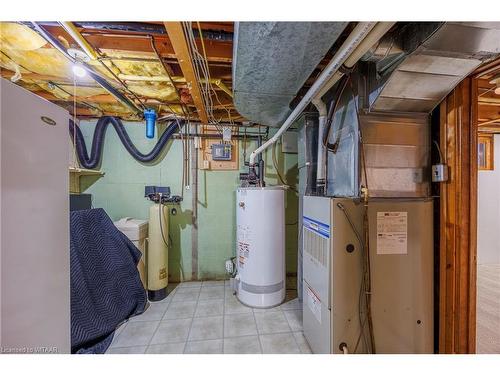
x: 150, y: 117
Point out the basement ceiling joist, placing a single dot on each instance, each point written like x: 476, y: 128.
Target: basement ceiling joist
x: 129, y: 54
x: 488, y: 101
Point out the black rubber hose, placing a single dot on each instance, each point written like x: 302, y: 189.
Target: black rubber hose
x: 98, y: 142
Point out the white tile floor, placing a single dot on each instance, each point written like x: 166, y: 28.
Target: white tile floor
x: 205, y: 317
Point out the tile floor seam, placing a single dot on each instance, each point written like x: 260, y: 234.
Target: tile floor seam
x: 158, y: 326
x: 192, y: 320
x: 257, y: 330
x: 168, y: 304
x: 291, y: 330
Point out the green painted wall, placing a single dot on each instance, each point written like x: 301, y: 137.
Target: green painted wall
x: 121, y: 193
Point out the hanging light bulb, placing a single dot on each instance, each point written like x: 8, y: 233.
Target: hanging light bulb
x: 79, y: 70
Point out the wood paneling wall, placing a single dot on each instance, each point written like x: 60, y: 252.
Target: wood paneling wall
x: 458, y: 221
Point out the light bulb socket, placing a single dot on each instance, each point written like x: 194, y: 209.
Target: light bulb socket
x: 79, y: 70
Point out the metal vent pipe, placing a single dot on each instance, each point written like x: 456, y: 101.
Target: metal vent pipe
x: 354, y: 39
x: 375, y: 34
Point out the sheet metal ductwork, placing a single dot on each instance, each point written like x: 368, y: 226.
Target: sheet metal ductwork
x: 272, y: 61
x: 418, y: 64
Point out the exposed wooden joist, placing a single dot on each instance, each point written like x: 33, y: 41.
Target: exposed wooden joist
x: 180, y: 46
x: 489, y: 122
x: 458, y: 221
x: 217, y: 51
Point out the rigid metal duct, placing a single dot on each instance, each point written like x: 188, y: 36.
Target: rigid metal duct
x: 375, y: 35
x: 417, y: 65
x: 354, y: 39
x: 272, y: 61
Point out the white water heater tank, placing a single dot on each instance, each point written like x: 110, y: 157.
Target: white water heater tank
x: 260, y: 246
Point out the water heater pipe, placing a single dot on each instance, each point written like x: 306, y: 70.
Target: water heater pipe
x: 375, y: 34
x: 354, y: 39
x: 373, y: 37
x: 321, y: 170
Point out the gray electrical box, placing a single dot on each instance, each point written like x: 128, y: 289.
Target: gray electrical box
x: 221, y: 151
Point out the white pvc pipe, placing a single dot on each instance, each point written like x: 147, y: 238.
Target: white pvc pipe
x: 320, y: 169
x: 354, y: 39
x: 378, y: 31
x: 375, y: 34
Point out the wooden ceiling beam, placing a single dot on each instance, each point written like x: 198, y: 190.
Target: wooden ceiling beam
x: 180, y: 46
x: 217, y: 51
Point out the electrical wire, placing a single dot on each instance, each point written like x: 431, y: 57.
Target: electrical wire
x: 276, y: 167
x: 362, y: 284
x: 439, y: 151
x: 331, y: 115
x: 202, y: 73
x: 160, y: 214
x: 366, y: 229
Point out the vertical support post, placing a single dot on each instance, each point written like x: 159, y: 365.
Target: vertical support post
x: 458, y: 221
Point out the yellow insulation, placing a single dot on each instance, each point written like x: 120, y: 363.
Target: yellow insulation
x: 32, y: 54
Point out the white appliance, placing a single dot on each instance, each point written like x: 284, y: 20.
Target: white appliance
x: 136, y: 231
x: 332, y: 274
x: 35, y: 286
x: 260, y: 220
x: 402, y: 273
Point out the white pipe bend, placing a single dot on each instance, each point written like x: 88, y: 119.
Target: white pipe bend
x: 354, y: 39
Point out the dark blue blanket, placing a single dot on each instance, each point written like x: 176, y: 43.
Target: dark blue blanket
x: 105, y: 285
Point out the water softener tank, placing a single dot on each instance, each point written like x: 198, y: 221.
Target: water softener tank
x: 260, y: 246
x: 157, y: 254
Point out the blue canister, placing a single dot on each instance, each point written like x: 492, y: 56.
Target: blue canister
x: 150, y: 117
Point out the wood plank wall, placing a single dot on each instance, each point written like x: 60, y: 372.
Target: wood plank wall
x: 458, y: 218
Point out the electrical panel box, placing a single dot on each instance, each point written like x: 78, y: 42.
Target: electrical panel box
x: 221, y: 151
x: 331, y: 273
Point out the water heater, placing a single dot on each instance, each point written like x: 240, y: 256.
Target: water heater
x: 260, y: 220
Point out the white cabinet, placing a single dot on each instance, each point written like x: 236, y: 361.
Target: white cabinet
x: 35, y: 283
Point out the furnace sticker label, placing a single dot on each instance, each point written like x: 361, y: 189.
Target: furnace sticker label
x: 314, y: 304
x: 392, y: 232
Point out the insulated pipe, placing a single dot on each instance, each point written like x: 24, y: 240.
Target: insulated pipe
x: 354, y: 39
x: 98, y: 142
x: 100, y: 80
x: 77, y: 37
